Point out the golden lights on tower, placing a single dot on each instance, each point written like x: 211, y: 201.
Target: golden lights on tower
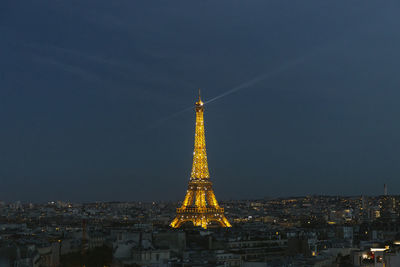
x: 200, y: 205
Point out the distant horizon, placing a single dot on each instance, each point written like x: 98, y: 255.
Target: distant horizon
x: 171, y: 201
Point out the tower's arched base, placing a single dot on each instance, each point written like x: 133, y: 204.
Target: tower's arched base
x: 200, y: 219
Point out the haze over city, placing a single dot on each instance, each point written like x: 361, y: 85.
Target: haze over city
x: 96, y: 97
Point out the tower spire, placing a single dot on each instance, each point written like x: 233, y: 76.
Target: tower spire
x: 200, y: 205
x: 199, y: 95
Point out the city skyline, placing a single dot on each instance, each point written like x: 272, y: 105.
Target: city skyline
x: 95, y: 99
x: 206, y: 133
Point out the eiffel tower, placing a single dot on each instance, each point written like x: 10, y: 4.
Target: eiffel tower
x: 200, y: 205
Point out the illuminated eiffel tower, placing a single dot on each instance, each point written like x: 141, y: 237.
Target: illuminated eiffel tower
x: 200, y: 205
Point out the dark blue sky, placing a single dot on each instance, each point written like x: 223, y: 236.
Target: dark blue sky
x: 87, y: 88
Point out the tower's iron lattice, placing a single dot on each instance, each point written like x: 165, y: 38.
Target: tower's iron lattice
x: 200, y: 205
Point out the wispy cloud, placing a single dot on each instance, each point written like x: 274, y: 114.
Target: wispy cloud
x: 74, y: 69
x: 82, y: 55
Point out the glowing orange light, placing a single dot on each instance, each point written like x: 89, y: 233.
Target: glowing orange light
x: 200, y: 205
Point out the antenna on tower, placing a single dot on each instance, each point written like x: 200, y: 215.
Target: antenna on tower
x: 199, y: 94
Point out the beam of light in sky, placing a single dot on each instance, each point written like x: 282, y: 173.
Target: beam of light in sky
x: 247, y: 84
x: 161, y: 121
x: 266, y: 76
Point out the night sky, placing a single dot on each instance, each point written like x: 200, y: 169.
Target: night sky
x: 91, y: 94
